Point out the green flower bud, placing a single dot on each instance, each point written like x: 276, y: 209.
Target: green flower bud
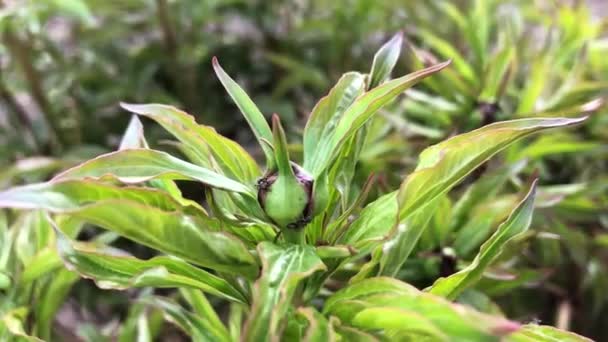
x: 286, y: 197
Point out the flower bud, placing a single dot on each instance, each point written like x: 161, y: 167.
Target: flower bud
x: 287, y: 197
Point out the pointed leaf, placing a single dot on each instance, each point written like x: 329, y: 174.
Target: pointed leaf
x: 134, y: 135
x: 250, y: 111
x: 385, y: 60
x: 517, y: 223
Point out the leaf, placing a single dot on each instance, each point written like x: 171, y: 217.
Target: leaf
x: 134, y: 135
x: 53, y: 296
x: 231, y: 159
x: 448, y: 51
x: 327, y: 112
x: 197, y: 328
x: 544, y: 333
x: 283, y: 268
x: 173, y: 233
x: 376, y: 299
x: 374, y: 221
x: 202, y: 308
x: 45, y: 261
x: 359, y: 112
x: 440, y: 167
x: 114, y: 269
x: 517, y: 223
x: 140, y: 165
x: 385, y: 60
x: 250, y: 111
x: 319, y: 328
x: 64, y: 196
x: 396, y: 320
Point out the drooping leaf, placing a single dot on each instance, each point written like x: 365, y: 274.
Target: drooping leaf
x: 517, y: 223
x: 114, y: 269
x: 140, y: 165
x: 203, y: 141
x: 174, y: 233
x: 63, y: 196
x: 385, y: 60
x: 284, y: 267
x: 250, y: 111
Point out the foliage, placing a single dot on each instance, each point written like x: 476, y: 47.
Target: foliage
x: 340, y: 233
x: 270, y: 247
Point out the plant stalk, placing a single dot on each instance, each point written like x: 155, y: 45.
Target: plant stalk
x: 296, y: 236
x: 21, y: 52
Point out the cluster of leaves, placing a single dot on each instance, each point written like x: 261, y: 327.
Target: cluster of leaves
x: 333, y: 276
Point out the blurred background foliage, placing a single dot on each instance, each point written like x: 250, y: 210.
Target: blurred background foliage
x: 66, y: 64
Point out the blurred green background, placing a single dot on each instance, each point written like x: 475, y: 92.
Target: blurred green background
x: 66, y: 64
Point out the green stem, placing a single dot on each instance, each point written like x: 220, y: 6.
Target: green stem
x: 296, y: 236
x: 21, y: 51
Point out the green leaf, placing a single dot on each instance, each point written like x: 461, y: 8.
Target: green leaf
x: 359, y: 112
x: 140, y: 165
x: 45, y: 261
x: 319, y: 328
x: 53, y: 296
x: 203, y: 141
x: 448, y: 51
x: 197, y: 328
x: 385, y: 60
x: 284, y: 267
x: 397, y: 320
x: 327, y: 112
x: 250, y: 111
x: 134, y: 135
x: 517, y: 223
x: 114, y: 269
x: 174, y: 233
x: 64, y: 196
x: 484, y: 219
x: 202, y: 308
x: 443, y: 165
x: 371, y: 303
x: 373, y: 223
x: 544, y: 333
x: 439, y: 169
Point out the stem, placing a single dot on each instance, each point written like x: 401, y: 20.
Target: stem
x: 296, y: 236
x: 184, y: 78
x: 22, y: 118
x: 21, y: 54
